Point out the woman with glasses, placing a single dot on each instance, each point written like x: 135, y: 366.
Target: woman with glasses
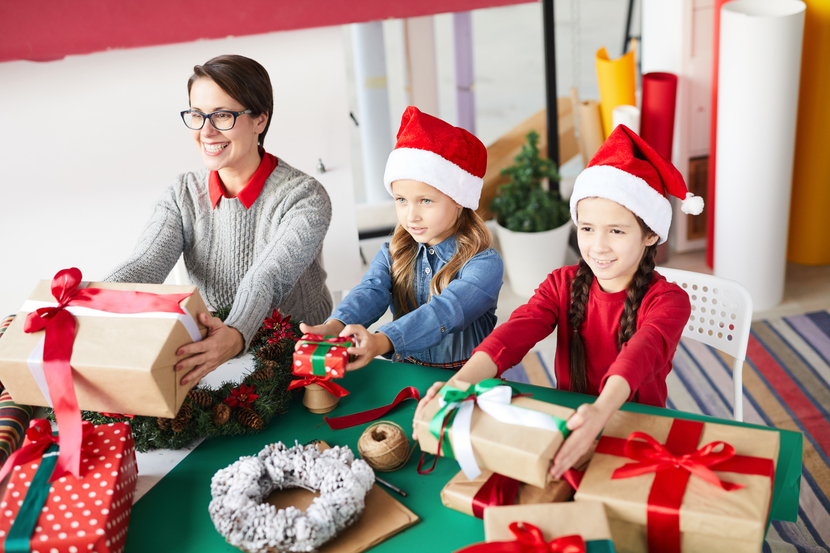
x: 250, y: 226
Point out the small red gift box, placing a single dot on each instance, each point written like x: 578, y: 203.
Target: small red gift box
x: 77, y: 515
x: 322, y: 356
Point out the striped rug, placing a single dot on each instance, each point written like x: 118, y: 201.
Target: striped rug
x: 786, y: 384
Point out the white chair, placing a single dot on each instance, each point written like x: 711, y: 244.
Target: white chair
x: 721, y: 317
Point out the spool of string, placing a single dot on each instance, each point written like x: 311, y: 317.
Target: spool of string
x: 384, y: 446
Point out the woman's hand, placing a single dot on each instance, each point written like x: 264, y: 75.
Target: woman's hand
x: 221, y: 344
x: 367, y: 345
x: 422, y: 403
x: 332, y: 327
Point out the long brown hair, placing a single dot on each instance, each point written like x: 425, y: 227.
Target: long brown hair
x: 471, y: 237
x: 581, y: 286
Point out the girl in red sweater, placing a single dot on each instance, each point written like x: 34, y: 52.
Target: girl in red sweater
x: 618, y: 321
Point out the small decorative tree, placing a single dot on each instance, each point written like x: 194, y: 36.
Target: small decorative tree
x: 523, y: 204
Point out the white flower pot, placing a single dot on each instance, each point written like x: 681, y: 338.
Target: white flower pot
x: 529, y: 257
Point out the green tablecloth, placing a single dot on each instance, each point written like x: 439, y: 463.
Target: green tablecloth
x: 173, y: 516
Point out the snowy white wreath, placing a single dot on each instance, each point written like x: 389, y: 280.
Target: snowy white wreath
x: 242, y: 517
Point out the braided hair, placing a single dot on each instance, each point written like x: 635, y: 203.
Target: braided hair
x: 581, y: 286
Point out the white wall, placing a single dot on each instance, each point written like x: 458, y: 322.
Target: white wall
x: 89, y: 143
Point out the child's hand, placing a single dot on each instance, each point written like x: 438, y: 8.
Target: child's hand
x: 332, y: 327
x: 585, y: 425
x: 421, y: 404
x: 367, y: 346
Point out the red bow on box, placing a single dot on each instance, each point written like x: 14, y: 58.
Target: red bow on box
x: 674, y: 464
x: 529, y: 539
x: 497, y: 490
x: 40, y: 438
x: 59, y: 338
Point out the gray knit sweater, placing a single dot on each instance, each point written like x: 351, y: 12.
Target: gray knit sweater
x: 265, y: 257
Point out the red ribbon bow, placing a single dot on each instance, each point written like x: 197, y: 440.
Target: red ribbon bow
x: 59, y: 338
x: 497, y: 490
x: 529, y: 539
x: 40, y: 438
x: 324, y: 381
x: 674, y: 464
x: 321, y: 338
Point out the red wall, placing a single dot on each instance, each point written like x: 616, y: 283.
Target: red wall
x: 43, y: 30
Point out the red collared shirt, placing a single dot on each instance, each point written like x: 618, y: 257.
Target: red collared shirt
x: 251, y: 191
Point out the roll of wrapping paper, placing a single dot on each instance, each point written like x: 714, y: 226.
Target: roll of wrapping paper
x: 14, y: 420
x: 809, y: 224
x: 617, y: 81
x: 659, y: 101
x: 628, y: 116
x: 591, y: 135
x: 760, y: 60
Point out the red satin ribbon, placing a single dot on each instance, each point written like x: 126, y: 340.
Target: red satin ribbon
x: 40, y: 438
x: 321, y: 338
x: 529, y: 539
x: 60, y: 337
x: 674, y: 464
x: 324, y: 381
x: 347, y: 421
x: 497, y: 490
x: 573, y: 477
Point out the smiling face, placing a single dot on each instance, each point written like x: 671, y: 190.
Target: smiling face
x: 427, y: 214
x: 234, y: 151
x: 611, y: 241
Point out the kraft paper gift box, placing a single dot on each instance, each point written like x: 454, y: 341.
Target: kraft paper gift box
x: 322, y: 356
x: 582, y: 525
x: 698, y: 515
x: 73, y: 515
x: 520, y: 452
x: 121, y: 363
x: 472, y: 497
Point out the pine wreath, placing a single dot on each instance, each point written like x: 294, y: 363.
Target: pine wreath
x: 268, y: 381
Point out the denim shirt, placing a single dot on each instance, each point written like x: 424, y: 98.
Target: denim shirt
x: 444, y: 328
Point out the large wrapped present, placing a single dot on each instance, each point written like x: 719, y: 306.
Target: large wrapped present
x: 546, y: 528
x: 672, y: 485
x: 489, y: 489
x: 44, y: 511
x: 484, y: 427
x: 322, y: 356
x: 123, y: 354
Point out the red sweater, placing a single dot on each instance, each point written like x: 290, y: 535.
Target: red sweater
x: 644, y: 361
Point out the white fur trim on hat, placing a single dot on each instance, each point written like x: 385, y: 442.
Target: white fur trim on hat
x: 430, y: 168
x: 631, y: 192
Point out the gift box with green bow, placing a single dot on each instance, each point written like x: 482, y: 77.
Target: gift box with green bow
x: 322, y: 356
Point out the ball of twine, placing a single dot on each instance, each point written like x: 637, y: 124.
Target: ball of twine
x: 384, y: 446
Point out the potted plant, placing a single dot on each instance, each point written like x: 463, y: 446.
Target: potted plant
x: 532, y: 219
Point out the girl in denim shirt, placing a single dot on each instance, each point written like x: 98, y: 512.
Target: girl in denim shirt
x: 439, y: 274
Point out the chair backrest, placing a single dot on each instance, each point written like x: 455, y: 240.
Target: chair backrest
x: 721, y: 310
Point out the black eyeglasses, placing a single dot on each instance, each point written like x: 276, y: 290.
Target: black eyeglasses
x: 221, y: 120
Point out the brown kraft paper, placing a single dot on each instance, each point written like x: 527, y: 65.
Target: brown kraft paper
x: 120, y: 365
x: 459, y: 492
x: 711, y: 519
x: 586, y: 518
x: 518, y: 452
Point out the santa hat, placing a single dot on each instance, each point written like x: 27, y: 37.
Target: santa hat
x: 434, y: 152
x: 628, y: 171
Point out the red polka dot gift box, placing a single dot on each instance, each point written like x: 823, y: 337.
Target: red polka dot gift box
x: 44, y: 512
x: 323, y: 357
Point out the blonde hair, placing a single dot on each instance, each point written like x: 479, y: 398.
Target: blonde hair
x: 471, y: 237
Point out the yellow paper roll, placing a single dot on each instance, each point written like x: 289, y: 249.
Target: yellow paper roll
x: 809, y: 223
x: 617, y: 81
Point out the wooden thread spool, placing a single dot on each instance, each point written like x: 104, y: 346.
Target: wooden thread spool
x: 318, y: 400
x: 384, y: 446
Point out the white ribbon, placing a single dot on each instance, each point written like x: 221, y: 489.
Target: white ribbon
x: 496, y: 403
x: 35, y: 360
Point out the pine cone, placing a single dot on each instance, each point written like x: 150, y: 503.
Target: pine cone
x: 270, y: 352
x: 248, y: 417
x: 221, y: 414
x: 184, y: 416
x: 200, y: 398
x: 260, y: 334
x: 163, y: 423
x: 265, y: 372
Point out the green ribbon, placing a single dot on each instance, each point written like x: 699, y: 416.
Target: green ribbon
x: 599, y: 546
x: 453, y: 398
x: 24, y: 525
x: 318, y: 355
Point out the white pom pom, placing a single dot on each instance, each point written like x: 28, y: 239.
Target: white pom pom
x: 693, y: 205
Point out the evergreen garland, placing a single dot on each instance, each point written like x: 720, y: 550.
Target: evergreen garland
x: 272, y: 396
